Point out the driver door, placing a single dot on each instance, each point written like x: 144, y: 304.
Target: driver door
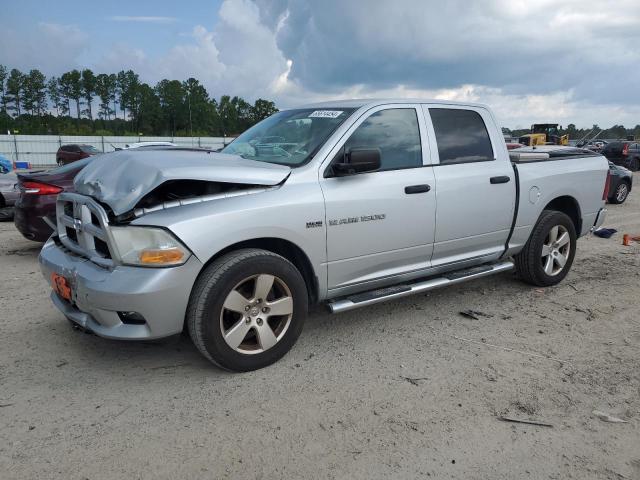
x: 380, y: 224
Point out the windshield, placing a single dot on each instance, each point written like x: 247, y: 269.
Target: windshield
x: 89, y: 149
x: 290, y: 137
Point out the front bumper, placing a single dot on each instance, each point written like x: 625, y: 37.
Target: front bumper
x: 160, y: 295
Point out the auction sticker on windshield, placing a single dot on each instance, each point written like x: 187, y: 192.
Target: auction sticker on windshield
x: 326, y: 114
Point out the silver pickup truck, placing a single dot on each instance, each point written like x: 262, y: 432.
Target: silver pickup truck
x: 346, y: 203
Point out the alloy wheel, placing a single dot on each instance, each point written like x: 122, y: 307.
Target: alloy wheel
x: 622, y: 192
x: 256, y: 314
x: 555, y: 250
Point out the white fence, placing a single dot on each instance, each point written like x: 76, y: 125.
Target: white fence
x: 40, y: 150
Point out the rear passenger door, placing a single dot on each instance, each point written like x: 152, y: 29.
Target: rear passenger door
x: 475, y: 184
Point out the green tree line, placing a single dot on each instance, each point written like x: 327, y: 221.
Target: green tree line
x: 81, y: 102
x: 617, y: 132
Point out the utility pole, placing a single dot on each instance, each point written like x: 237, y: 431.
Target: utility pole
x: 190, y: 124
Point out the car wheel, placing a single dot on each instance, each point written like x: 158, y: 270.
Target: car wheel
x: 634, y: 166
x: 247, y: 309
x: 621, y: 193
x: 60, y: 162
x: 548, y: 254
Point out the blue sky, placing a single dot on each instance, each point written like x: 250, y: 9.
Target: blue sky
x: 545, y: 61
x: 154, y: 26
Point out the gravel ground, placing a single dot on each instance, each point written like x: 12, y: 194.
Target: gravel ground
x: 406, y: 389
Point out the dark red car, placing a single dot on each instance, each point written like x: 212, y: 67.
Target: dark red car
x: 37, y: 200
x: 74, y: 152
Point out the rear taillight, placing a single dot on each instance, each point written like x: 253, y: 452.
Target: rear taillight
x: 625, y: 149
x: 607, y: 182
x: 37, y: 188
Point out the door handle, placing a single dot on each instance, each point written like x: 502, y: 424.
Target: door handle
x: 502, y: 179
x: 417, y: 189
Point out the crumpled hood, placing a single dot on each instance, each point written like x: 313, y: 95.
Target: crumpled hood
x: 120, y: 179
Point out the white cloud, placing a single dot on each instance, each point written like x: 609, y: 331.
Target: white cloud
x: 239, y: 56
x: 50, y: 47
x: 142, y: 19
x: 543, y: 61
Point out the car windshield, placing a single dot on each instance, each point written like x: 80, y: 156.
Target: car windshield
x: 290, y: 137
x: 89, y: 149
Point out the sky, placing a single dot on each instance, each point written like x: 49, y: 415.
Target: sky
x: 575, y: 61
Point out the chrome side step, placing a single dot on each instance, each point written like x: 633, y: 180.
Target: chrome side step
x: 389, y: 293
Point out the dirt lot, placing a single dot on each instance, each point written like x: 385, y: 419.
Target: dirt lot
x: 406, y: 389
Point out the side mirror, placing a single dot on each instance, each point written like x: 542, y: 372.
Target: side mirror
x: 358, y: 160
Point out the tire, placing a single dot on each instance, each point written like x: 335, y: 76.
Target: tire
x: 532, y: 266
x: 634, y: 165
x: 60, y: 162
x: 621, y: 193
x: 224, y: 303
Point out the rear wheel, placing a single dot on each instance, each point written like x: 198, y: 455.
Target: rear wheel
x: 247, y: 309
x: 621, y: 193
x: 634, y: 166
x: 548, y: 254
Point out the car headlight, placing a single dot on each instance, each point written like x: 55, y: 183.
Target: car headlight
x: 148, y: 247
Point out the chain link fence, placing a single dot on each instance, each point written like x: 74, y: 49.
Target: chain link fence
x: 40, y: 150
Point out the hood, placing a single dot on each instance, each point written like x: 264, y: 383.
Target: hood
x: 120, y: 179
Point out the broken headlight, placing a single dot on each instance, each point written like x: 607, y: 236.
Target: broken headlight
x: 149, y: 247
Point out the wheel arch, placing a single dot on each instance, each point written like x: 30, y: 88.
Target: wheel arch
x: 570, y: 207
x: 284, y: 248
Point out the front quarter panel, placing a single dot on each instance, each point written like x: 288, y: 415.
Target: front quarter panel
x: 293, y: 211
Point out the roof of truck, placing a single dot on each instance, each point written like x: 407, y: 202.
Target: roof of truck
x: 373, y: 102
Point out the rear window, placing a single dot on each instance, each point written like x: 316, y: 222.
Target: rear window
x: 614, y: 147
x: 89, y: 149
x: 461, y: 135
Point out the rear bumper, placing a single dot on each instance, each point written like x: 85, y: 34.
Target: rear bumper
x: 160, y: 295
x: 29, y: 217
x: 9, y: 198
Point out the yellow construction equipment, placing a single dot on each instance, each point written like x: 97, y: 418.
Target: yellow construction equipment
x: 544, y: 134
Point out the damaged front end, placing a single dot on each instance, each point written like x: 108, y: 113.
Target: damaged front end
x: 133, y: 183
x: 96, y: 221
x: 186, y: 192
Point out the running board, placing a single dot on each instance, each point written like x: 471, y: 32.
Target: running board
x: 389, y: 293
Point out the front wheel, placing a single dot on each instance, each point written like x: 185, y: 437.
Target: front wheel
x: 548, y: 254
x: 247, y: 309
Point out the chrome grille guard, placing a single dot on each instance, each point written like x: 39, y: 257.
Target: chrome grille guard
x: 90, y: 225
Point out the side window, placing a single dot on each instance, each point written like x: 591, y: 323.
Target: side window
x: 396, y: 133
x: 461, y: 136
